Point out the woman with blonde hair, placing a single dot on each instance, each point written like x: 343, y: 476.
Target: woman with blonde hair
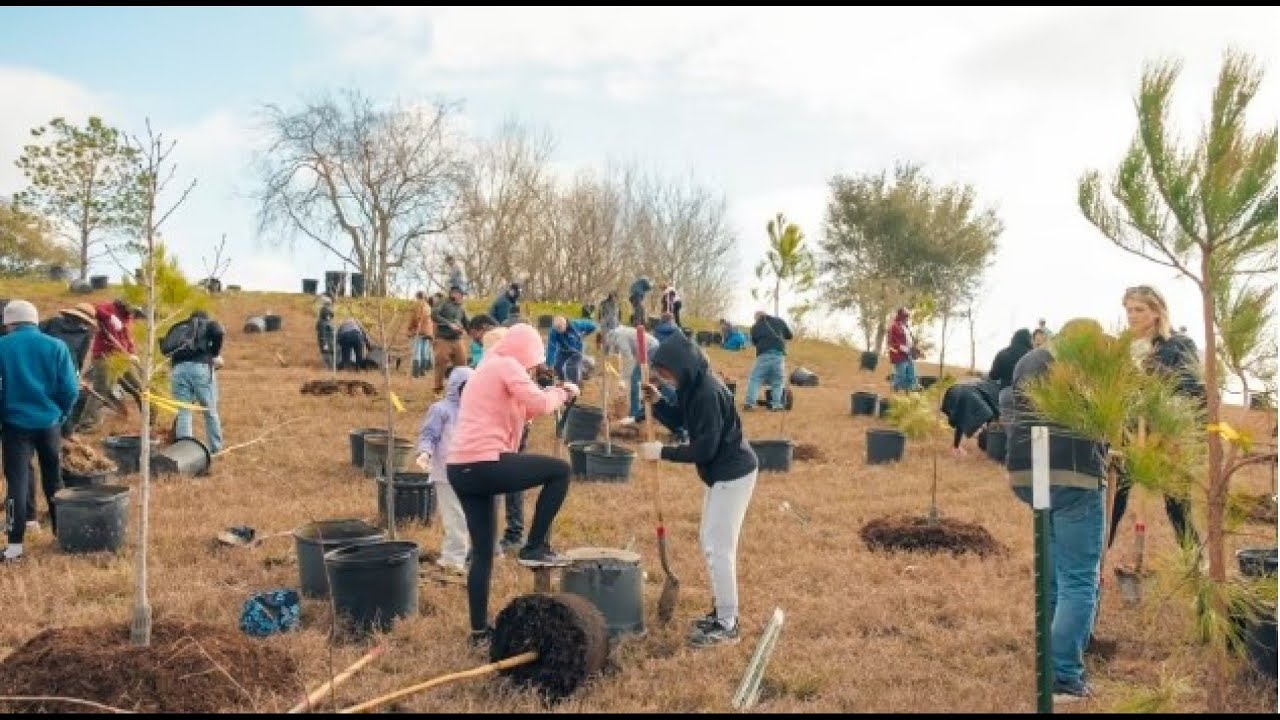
x: 1158, y: 350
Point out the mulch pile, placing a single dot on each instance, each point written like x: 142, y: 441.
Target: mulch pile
x: 566, y: 630
x: 83, y: 459
x: 339, y: 387
x: 915, y: 534
x: 808, y: 452
x: 189, y: 668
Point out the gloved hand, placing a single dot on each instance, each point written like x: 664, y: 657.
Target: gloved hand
x: 572, y: 389
x: 651, y: 451
x: 423, y: 461
x: 650, y: 393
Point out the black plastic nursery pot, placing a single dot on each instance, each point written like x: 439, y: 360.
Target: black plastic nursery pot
x: 609, y: 466
x: 272, y: 323
x: 255, y: 325
x: 415, y: 498
x: 774, y: 455
x: 73, y: 479
x: 703, y: 338
x: 99, y: 282
x: 310, y: 286
x: 545, y: 321
x: 92, y: 519
x: 578, y: 456
x: 125, y: 451
x: 788, y: 398
x: 313, y: 540
x: 613, y: 581
x: 863, y: 403
x: 997, y: 443
x: 869, y: 361
x: 374, y: 584
x: 375, y: 453
x: 804, y: 377
x: 927, y: 381
x: 583, y: 424
x: 884, y: 446
x: 186, y: 456
x: 1258, y: 633
x: 356, y: 438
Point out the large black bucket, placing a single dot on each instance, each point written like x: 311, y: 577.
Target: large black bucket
x: 804, y: 377
x: 92, y: 519
x: 863, y: 403
x: 583, y: 423
x: 335, y: 283
x: 357, y: 285
x: 868, y: 361
x: 997, y: 443
x: 125, y: 451
x: 374, y: 584
x: 703, y: 338
x: 578, y: 457
x: 74, y: 480
x: 415, y: 498
x: 615, y: 467
x: 255, y: 325
x: 311, y: 551
x: 774, y: 455
x: 80, y: 287
x: 357, y: 444
x: 884, y: 446
x: 99, y: 282
x: 926, y: 381
x: 310, y: 286
x: 375, y: 454
x: 1259, y: 633
x: 272, y: 323
x: 186, y: 456
x: 613, y: 581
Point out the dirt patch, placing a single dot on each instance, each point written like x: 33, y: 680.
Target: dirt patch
x: 808, y: 452
x: 82, y: 459
x: 189, y: 668
x: 1101, y: 648
x: 339, y: 387
x: 915, y: 534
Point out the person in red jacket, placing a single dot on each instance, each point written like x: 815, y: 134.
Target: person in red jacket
x: 115, y: 321
x: 902, y: 352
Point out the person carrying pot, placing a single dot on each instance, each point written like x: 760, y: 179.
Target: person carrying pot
x: 38, y: 389
x: 500, y: 398
x: 725, y: 463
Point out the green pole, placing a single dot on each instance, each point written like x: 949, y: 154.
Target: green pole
x: 1040, y: 504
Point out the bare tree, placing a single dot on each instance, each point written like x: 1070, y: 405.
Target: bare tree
x: 368, y: 184
x: 214, y: 270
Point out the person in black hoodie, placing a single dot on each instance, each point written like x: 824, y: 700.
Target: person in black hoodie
x: 1005, y: 360
x: 725, y: 463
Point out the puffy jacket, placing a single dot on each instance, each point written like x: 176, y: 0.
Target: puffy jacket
x: 770, y: 334
x: 705, y: 409
x: 38, y: 383
x: 1005, y: 360
x: 420, y: 324
x: 436, y: 434
x: 114, y: 333
x: 449, y: 312
x: 569, y: 342
x: 666, y: 329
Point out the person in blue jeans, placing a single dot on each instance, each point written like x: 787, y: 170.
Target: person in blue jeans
x: 1077, y: 472
x: 193, y: 380
x: 769, y: 335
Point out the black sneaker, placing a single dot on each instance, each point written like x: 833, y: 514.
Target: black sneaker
x: 1064, y: 692
x: 706, y: 621
x: 714, y: 634
x: 542, y: 556
x: 508, y: 545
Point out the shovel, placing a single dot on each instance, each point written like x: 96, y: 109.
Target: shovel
x: 246, y: 537
x: 670, y: 583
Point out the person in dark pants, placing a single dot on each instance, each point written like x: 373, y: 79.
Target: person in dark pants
x: 499, y: 400
x: 324, y: 328
x: 75, y: 327
x: 353, y: 342
x: 38, y: 388
x: 1159, y: 350
x: 639, y: 289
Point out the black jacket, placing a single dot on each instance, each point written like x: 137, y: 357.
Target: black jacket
x: 213, y: 334
x: 1066, y: 451
x: 77, y: 337
x: 450, y: 312
x: 770, y: 334
x: 1179, y: 358
x: 1005, y: 360
x: 706, y: 410
x: 969, y: 406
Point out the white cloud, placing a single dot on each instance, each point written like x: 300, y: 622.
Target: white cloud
x: 35, y: 98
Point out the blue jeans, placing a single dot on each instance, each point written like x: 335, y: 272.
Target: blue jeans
x: 569, y: 368
x: 1075, y: 551
x: 195, y: 383
x: 904, y: 375
x: 422, y: 352
x: 769, y: 369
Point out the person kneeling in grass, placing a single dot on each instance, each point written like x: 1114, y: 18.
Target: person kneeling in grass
x: 726, y: 465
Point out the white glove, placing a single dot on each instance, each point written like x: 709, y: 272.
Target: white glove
x: 651, y: 451
x: 423, y: 461
x: 572, y: 389
x: 217, y: 362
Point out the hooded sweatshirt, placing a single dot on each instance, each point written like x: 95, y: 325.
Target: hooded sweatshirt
x: 38, y: 382
x: 113, y: 331
x: 622, y: 340
x: 705, y: 409
x: 666, y: 329
x: 436, y: 434
x: 501, y: 397
x: 568, y: 343
x: 900, y: 340
x: 1005, y: 360
x: 639, y: 289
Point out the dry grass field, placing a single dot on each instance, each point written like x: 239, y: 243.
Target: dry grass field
x: 865, y: 632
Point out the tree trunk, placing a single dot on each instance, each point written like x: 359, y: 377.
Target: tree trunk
x: 1217, y: 480
x: 973, y: 343
x: 84, y: 248
x: 140, y: 631
x: 942, y: 342
x: 777, y: 296
x: 880, y: 333
x: 1244, y: 390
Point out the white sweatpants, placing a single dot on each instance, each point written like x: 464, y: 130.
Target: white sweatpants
x: 724, y: 507
x: 453, y: 550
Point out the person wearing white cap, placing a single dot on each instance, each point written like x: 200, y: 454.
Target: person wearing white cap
x: 38, y: 388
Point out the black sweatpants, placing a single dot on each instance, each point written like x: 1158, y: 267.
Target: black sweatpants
x: 19, y: 445
x: 1178, y: 510
x: 477, y: 486
x: 351, y: 345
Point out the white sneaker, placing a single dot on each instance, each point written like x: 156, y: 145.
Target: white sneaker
x: 627, y: 421
x: 13, y: 553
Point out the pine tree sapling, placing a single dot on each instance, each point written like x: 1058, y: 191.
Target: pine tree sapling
x: 917, y: 416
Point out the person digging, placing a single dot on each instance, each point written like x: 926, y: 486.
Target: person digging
x: 725, y: 464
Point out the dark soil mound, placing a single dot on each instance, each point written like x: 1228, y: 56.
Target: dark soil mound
x: 808, y: 452
x: 339, y: 387
x: 567, y: 632
x: 189, y: 668
x: 915, y: 534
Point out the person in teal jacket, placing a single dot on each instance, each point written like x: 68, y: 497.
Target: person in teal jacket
x: 565, y: 345
x: 476, y: 329
x: 734, y: 339
x: 38, y: 388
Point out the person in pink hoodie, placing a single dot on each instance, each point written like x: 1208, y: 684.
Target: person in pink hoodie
x: 483, y: 460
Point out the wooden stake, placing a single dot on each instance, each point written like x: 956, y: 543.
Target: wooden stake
x: 482, y: 671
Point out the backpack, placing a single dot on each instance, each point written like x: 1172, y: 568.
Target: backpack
x: 188, y: 338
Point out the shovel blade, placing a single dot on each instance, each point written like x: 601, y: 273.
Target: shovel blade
x: 668, y: 600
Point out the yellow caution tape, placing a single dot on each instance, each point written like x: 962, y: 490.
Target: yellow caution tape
x: 1227, y: 432
x: 169, y: 403
x: 612, y: 370
x: 395, y: 402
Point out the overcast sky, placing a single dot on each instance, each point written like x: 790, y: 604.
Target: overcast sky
x: 762, y: 104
